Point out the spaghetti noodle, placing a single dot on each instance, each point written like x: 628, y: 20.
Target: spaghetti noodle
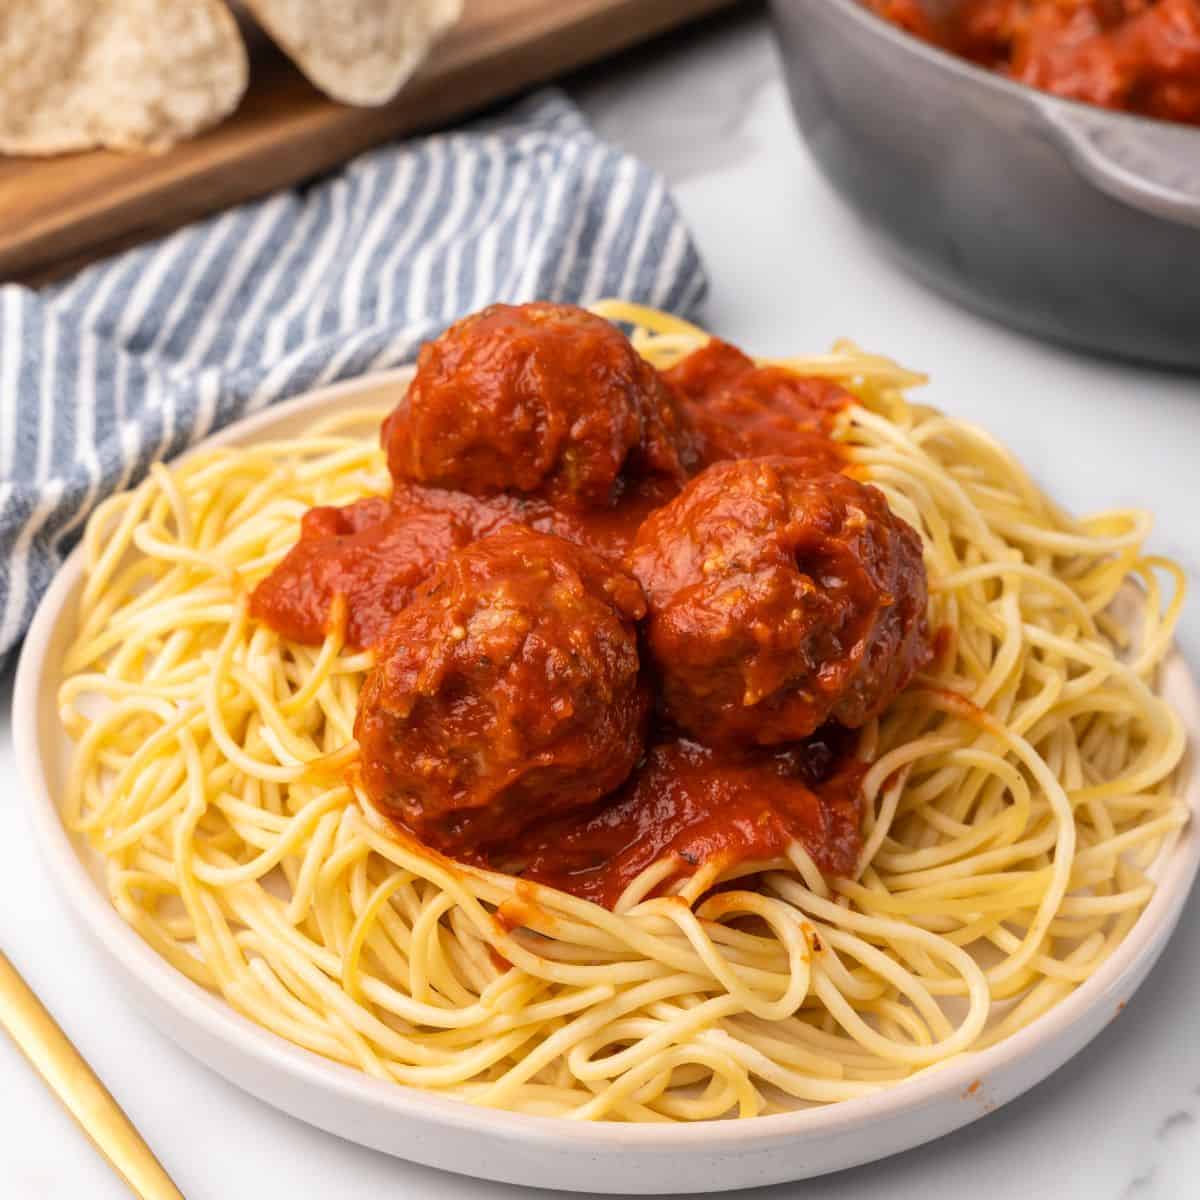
x: 1018, y: 792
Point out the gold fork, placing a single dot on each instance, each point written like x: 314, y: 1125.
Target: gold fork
x: 75, y: 1084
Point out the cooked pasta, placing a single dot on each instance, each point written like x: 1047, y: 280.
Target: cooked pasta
x: 1018, y: 792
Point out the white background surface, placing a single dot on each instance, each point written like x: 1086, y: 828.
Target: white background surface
x: 790, y: 270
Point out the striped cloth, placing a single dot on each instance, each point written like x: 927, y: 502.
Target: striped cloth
x: 140, y: 356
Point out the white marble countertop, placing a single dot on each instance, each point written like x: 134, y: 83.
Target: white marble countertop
x: 790, y: 268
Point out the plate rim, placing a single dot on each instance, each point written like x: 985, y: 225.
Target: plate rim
x: 219, y: 1020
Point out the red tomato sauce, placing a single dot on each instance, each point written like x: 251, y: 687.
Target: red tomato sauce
x: 373, y: 553
x: 698, y: 806
x: 1139, y: 56
x: 682, y: 801
x: 376, y: 551
x: 736, y: 409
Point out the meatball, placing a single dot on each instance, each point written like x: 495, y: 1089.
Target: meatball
x: 543, y: 398
x: 506, y: 693
x: 779, y: 598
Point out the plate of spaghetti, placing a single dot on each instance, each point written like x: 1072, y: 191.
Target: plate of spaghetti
x: 595, y: 758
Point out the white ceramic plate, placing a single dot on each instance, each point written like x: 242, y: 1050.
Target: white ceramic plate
x: 542, y: 1151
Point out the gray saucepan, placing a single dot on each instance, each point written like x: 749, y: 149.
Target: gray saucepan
x: 1071, y: 222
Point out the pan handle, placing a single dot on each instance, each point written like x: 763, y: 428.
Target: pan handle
x: 1149, y: 165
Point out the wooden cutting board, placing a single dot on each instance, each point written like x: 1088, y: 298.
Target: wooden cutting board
x: 57, y: 214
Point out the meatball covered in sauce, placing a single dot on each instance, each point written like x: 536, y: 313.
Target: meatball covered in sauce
x: 544, y: 398
x: 506, y: 693
x: 779, y: 598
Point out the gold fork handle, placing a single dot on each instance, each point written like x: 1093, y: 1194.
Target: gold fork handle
x: 75, y: 1083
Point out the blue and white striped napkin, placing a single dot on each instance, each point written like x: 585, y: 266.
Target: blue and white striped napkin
x: 139, y: 356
